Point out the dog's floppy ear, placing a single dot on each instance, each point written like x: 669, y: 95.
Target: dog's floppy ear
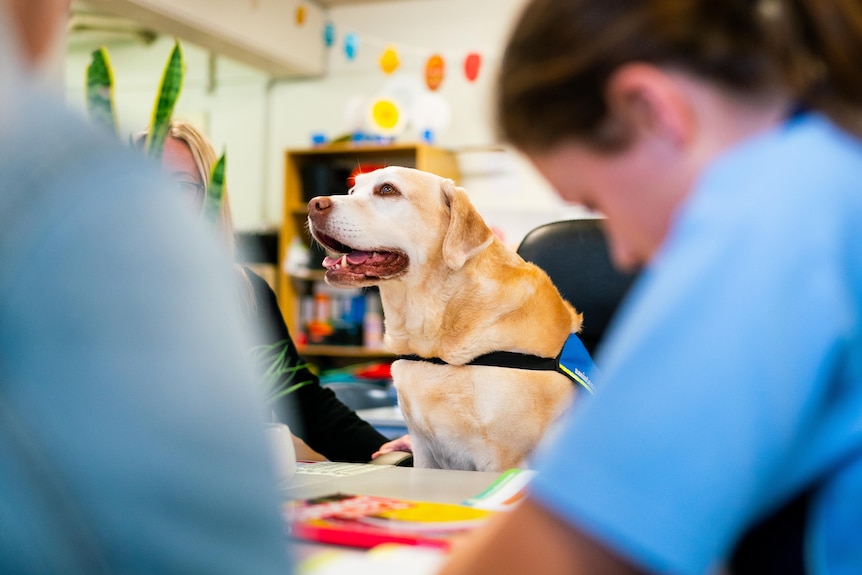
x: 468, y: 234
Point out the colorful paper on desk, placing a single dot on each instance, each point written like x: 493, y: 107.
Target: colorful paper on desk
x: 365, y: 521
x: 507, y: 491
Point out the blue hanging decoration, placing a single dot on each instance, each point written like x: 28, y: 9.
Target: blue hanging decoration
x: 329, y: 34
x: 351, y: 46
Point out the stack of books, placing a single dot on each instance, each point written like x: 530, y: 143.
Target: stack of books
x: 366, y: 521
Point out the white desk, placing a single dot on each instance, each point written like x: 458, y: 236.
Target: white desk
x: 437, y: 485
x: 441, y: 485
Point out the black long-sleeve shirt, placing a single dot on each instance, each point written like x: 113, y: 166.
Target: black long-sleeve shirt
x: 312, y: 411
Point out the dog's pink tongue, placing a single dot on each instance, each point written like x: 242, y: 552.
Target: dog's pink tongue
x: 357, y: 257
x: 353, y: 258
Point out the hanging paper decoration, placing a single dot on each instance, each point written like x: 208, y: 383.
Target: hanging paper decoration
x: 403, y: 88
x: 351, y: 46
x: 386, y: 117
x: 329, y: 34
x: 389, y: 60
x: 355, y: 113
x: 472, y: 63
x: 300, y: 15
x: 430, y: 115
x: 435, y: 68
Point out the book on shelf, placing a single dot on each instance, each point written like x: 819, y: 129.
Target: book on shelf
x: 367, y: 521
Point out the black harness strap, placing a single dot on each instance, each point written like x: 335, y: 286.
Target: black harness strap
x: 511, y: 360
x: 500, y: 359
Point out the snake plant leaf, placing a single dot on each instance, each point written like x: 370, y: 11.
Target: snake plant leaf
x: 169, y: 92
x: 100, y: 91
x: 215, y: 192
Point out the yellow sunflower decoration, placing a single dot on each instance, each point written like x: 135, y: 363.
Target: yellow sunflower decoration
x: 386, y: 116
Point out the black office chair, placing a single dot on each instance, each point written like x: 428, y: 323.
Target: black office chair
x: 362, y: 395
x: 575, y: 254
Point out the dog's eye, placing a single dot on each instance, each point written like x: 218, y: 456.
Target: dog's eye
x: 387, y: 190
x: 350, y: 191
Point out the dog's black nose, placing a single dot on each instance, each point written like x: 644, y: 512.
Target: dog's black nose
x: 319, y: 204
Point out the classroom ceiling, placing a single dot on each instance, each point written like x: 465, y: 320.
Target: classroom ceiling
x: 95, y: 23
x: 90, y: 26
x: 335, y: 3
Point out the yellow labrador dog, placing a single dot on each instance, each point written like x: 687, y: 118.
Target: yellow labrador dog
x: 457, y: 304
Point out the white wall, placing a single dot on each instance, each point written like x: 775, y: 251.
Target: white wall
x: 256, y: 118
x: 232, y: 115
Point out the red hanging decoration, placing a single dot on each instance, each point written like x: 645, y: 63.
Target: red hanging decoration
x: 472, y: 63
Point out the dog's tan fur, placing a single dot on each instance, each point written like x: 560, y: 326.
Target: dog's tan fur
x: 461, y: 294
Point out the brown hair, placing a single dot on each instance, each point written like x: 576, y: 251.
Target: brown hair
x: 562, y: 53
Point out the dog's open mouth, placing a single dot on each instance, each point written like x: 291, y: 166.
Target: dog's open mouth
x: 347, y: 265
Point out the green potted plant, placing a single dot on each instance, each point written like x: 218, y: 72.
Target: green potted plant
x: 100, y: 106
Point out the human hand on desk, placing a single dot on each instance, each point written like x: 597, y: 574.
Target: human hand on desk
x: 401, y: 444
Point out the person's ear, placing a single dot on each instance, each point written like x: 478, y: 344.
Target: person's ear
x: 649, y: 101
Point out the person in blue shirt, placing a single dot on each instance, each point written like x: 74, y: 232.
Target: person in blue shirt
x: 131, y: 436
x: 722, y: 142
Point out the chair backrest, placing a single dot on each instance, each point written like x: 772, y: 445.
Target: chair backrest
x: 574, y: 253
x: 362, y: 395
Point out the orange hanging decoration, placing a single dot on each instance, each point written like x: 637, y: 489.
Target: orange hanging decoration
x: 472, y: 63
x: 389, y: 60
x: 300, y: 15
x: 435, y: 70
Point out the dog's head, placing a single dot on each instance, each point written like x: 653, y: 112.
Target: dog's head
x: 392, y: 221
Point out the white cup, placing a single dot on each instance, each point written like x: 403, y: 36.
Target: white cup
x: 284, y: 456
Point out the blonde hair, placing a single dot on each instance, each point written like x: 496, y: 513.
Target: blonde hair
x: 205, y: 158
